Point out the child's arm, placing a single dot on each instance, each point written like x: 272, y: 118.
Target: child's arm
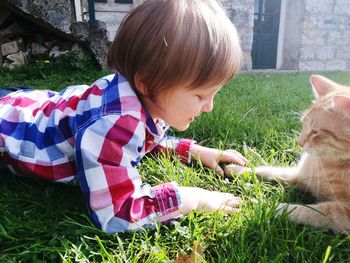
x: 188, y: 150
x: 204, y: 200
x: 197, y: 198
x: 107, y: 152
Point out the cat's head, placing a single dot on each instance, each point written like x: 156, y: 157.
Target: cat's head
x: 326, y: 125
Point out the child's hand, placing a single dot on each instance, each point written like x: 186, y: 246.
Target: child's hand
x: 203, y: 200
x: 212, y: 157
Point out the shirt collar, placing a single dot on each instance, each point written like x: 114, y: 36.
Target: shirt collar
x: 156, y: 127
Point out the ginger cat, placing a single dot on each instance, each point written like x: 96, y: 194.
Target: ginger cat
x: 324, y: 167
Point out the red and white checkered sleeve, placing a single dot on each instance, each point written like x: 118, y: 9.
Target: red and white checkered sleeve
x: 107, y: 154
x: 183, y: 149
x: 180, y: 146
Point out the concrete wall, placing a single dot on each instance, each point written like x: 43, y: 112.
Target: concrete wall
x: 290, y: 34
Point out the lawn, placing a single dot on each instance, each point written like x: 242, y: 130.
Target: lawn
x: 257, y: 114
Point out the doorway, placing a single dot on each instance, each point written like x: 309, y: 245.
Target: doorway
x: 265, y: 38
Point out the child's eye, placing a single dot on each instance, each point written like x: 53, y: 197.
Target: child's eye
x: 200, y: 97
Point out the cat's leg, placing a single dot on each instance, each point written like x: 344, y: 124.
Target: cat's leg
x: 333, y: 215
x: 286, y: 175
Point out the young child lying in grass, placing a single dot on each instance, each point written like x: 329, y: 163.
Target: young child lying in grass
x: 171, y: 58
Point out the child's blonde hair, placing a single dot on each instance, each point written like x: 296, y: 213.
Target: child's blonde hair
x: 168, y: 43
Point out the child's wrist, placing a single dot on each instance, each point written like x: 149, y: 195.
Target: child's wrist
x: 189, y: 198
x: 195, y: 151
x: 183, y: 149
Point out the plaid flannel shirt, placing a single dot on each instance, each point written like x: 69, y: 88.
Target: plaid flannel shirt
x: 95, y: 136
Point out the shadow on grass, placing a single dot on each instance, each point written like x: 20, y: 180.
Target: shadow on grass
x: 37, y: 218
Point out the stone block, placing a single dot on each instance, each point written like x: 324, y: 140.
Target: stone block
x: 331, y: 22
x: 345, y: 38
x: 347, y: 66
x: 55, y: 52
x: 310, y: 66
x: 335, y: 65
x: 342, y: 7
x: 325, y: 52
x: 315, y: 37
x: 325, y: 65
x: 319, y: 6
x: 19, y: 58
x: 97, y: 39
x: 336, y: 37
x: 11, y: 47
x: 342, y: 53
x: 307, y: 53
x: 38, y: 49
x: 6, y: 64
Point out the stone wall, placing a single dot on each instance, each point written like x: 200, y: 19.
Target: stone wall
x: 55, y: 12
x: 325, y: 38
x: 111, y: 13
x: 314, y: 34
x: 241, y: 13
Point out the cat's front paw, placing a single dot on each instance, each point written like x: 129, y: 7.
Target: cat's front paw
x: 236, y: 169
x: 282, y: 208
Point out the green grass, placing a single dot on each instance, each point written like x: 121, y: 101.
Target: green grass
x: 256, y: 114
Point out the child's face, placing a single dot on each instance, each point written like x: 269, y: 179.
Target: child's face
x: 180, y: 106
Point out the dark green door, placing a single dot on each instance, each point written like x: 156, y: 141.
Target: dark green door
x: 266, y: 24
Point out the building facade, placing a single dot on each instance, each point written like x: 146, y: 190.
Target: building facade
x: 305, y: 35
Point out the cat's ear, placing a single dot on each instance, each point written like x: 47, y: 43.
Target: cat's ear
x: 321, y: 85
x: 342, y: 103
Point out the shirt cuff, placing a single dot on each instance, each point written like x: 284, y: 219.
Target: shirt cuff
x: 168, y: 201
x: 183, y: 150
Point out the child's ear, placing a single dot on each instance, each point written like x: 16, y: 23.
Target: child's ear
x: 321, y: 85
x: 140, y: 86
x: 342, y: 103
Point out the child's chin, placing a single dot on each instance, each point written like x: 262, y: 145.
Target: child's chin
x: 181, y: 127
